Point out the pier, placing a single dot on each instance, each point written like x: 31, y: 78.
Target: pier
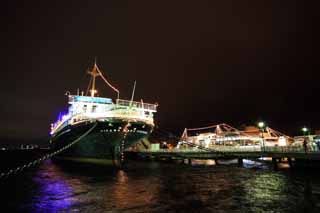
x: 292, y: 155
x: 222, y: 141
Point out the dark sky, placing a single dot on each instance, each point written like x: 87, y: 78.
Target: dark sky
x: 204, y: 62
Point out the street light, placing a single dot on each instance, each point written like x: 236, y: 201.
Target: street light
x: 261, y: 126
x: 304, y: 130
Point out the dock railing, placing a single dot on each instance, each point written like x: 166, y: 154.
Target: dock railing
x: 234, y: 149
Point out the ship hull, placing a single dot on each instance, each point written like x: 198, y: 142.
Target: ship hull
x: 104, y: 143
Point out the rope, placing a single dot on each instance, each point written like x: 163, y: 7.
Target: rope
x: 105, y: 80
x: 45, y: 157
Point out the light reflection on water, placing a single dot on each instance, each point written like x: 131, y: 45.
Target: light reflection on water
x: 203, y: 162
x: 54, y: 193
x: 162, y: 187
x: 138, y: 193
x: 266, y: 191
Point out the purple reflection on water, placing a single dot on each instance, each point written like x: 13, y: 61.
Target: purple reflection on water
x: 54, y: 193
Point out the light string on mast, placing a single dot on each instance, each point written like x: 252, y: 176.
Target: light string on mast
x: 106, y: 81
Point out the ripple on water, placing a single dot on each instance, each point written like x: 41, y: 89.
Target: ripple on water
x: 162, y: 187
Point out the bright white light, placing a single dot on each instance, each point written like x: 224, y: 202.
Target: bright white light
x: 261, y: 124
x: 282, y: 141
x: 64, y: 117
x: 207, y: 142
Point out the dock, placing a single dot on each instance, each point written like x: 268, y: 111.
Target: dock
x: 295, y: 156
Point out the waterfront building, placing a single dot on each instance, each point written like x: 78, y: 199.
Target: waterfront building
x: 226, y: 135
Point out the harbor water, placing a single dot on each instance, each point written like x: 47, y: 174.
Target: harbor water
x: 161, y: 187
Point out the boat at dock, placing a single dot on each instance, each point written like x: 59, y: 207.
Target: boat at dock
x: 98, y: 129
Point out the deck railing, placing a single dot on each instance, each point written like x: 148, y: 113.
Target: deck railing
x: 146, y: 106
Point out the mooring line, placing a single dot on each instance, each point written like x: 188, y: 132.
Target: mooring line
x: 45, y: 157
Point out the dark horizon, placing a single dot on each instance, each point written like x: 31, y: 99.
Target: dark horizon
x: 206, y: 62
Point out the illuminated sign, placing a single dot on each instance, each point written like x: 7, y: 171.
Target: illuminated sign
x: 92, y: 99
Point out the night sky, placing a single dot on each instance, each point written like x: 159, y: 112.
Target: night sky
x: 204, y: 62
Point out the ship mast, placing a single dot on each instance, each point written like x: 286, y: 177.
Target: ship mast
x: 94, y: 73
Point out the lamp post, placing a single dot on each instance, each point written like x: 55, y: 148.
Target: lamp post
x: 305, y: 146
x: 261, y: 126
x: 304, y: 130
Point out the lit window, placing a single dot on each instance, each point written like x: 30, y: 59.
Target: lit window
x: 94, y: 108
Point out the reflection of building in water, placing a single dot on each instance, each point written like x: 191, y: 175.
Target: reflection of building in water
x: 224, y: 134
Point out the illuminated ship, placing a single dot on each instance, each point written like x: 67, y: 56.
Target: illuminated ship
x: 106, y: 128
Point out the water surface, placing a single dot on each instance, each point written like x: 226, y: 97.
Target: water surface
x: 161, y: 187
